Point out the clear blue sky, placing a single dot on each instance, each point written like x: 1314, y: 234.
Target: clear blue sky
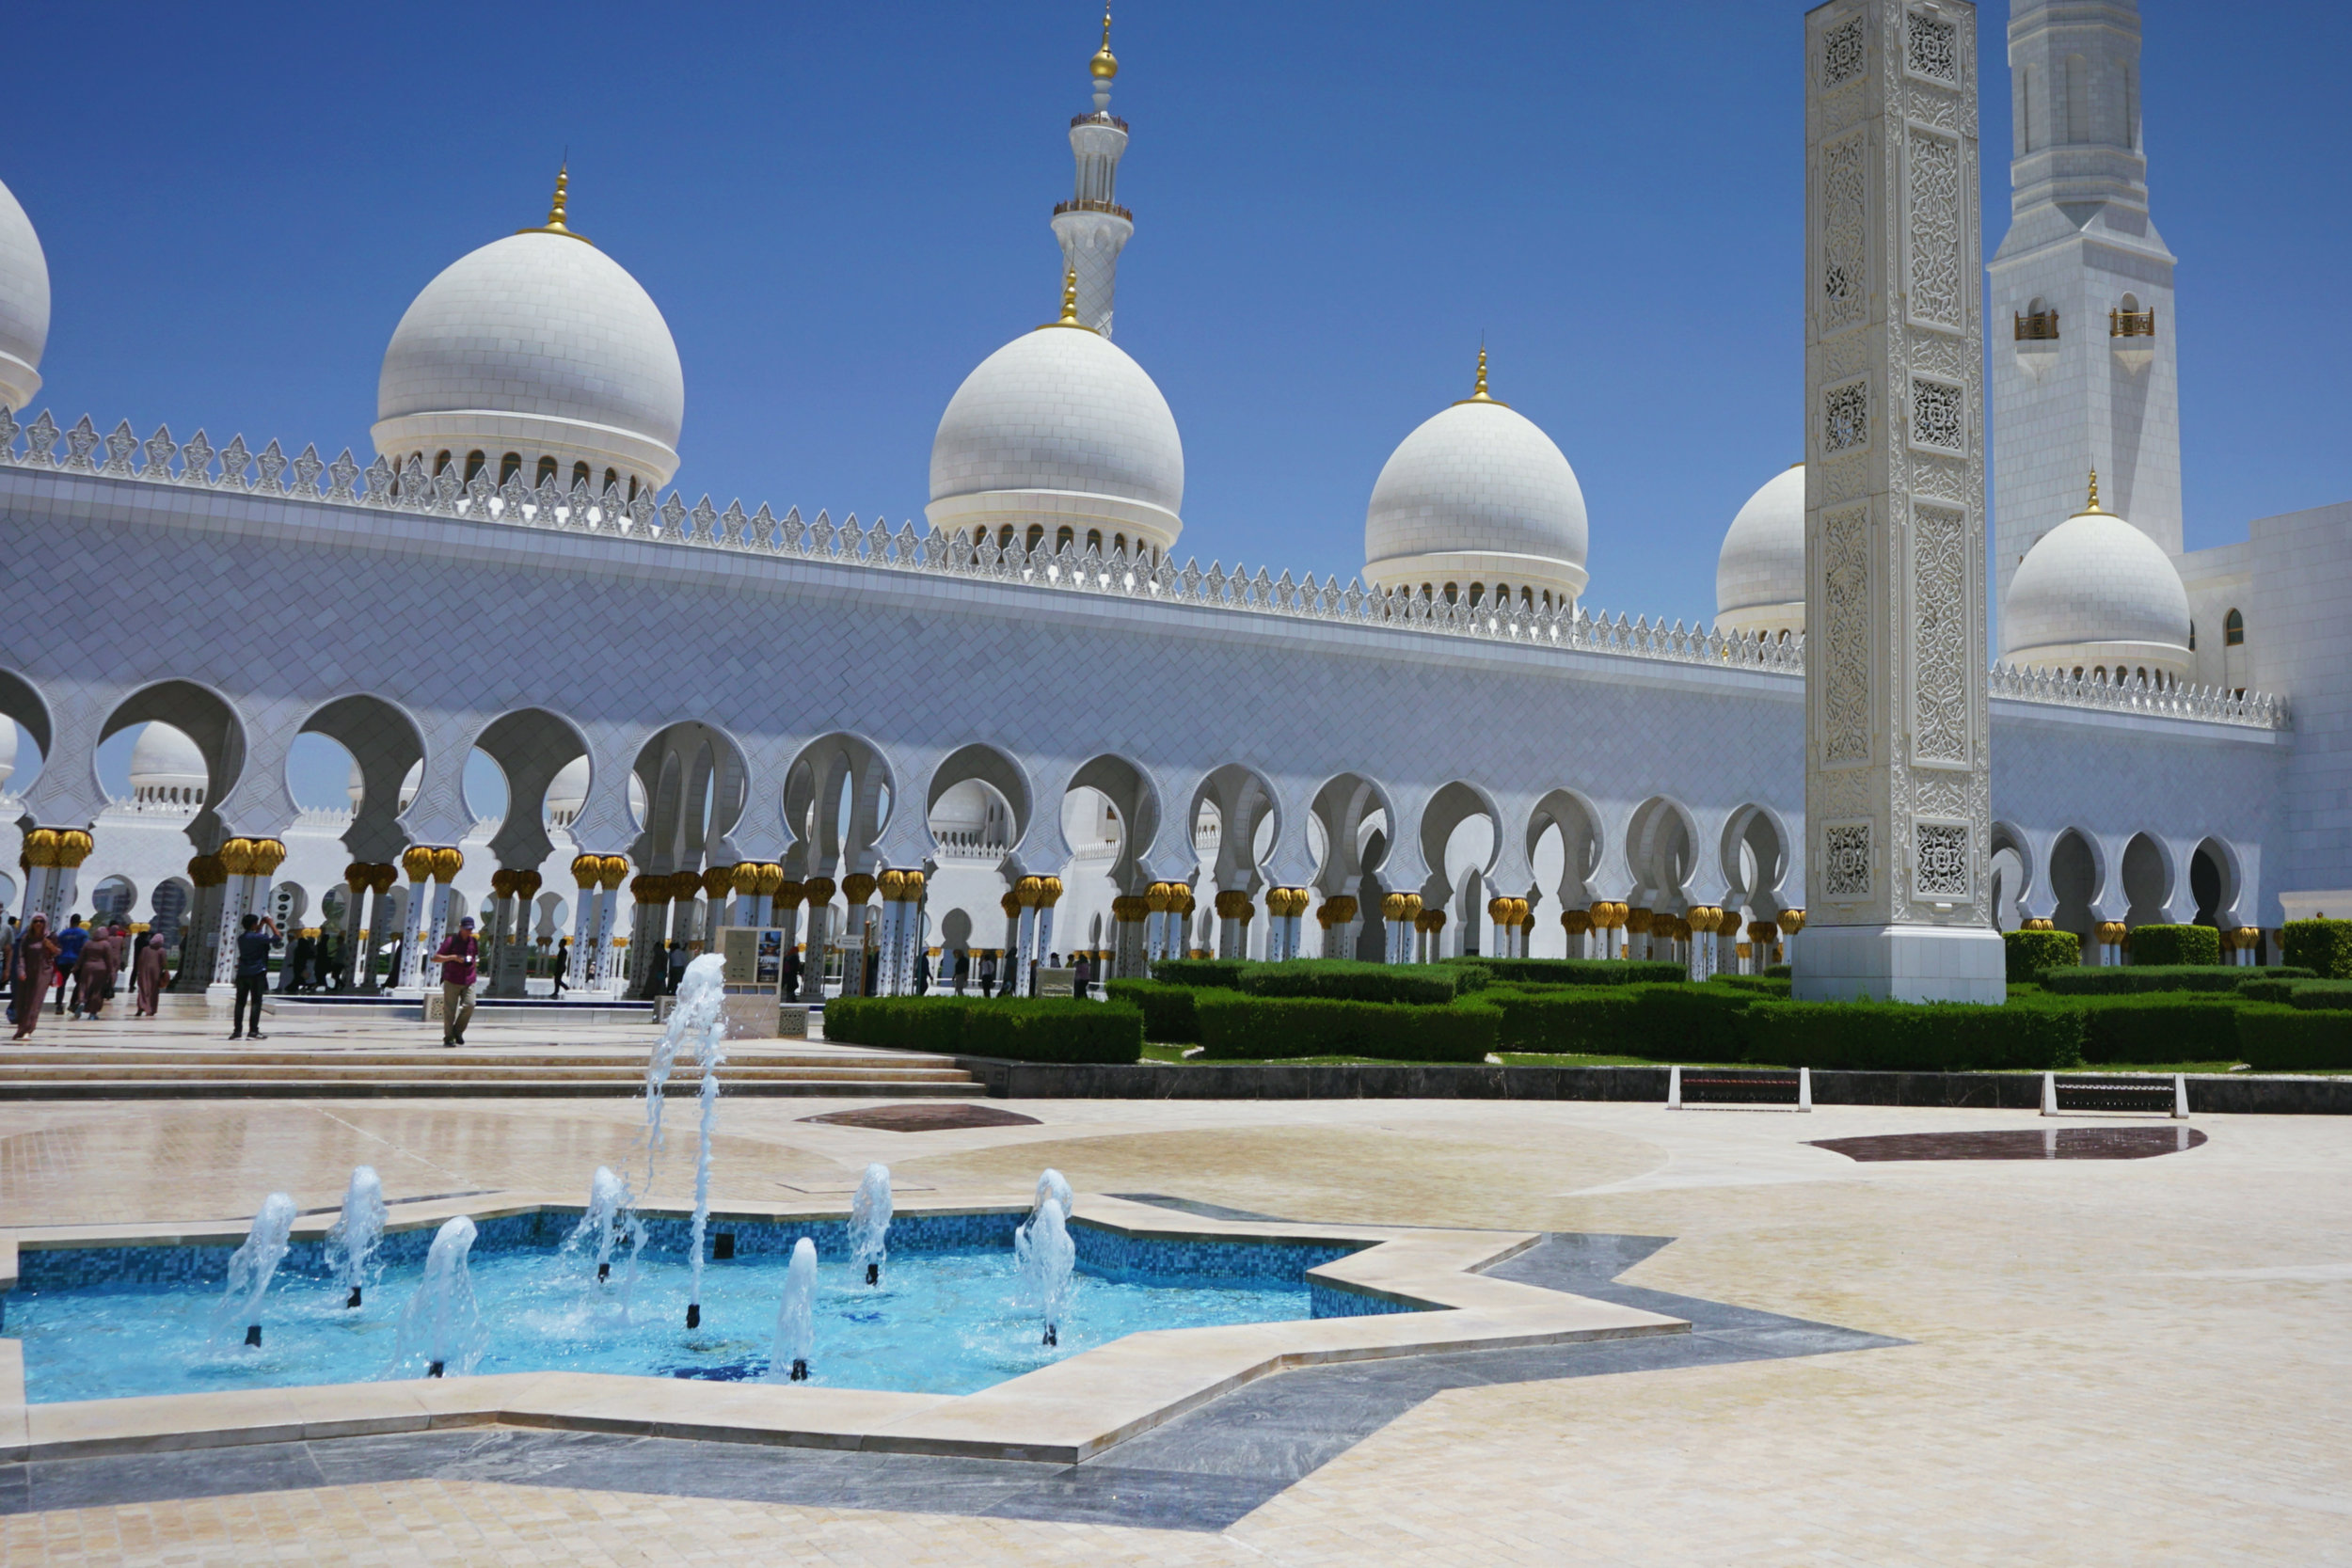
x: 842, y: 209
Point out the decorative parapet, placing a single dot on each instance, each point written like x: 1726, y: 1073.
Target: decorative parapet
x: 235, y: 469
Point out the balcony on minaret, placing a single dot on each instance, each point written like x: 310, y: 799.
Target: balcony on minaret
x: 1100, y: 117
x: 2037, y: 337
x: 2036, y: 327
x: 1088, y: 204
x: 2132, y: 333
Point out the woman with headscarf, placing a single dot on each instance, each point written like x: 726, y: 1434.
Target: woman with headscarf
x: 29, y: 975
x: 94, y: 976
x: 147, y: 976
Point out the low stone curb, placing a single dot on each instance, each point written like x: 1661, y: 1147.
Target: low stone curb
x: 2215, y: 1093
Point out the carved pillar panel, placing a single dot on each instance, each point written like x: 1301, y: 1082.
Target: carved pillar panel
x: 1898, y: 783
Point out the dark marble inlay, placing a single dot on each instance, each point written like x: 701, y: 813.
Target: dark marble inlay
x: 935, y: 1116
x: 2029, y: 1143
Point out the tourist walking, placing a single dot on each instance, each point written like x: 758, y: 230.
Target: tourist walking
x: 1081, y: 975
x: 69, y: 962
x: 963, y: 970
x: 254, y: 942
x: 35, y: 951
x: 563, y: 964
x: 988, y: 973
x: 923, y: 973
x: 459, y: 955
x: 147, y: 974
x: 94, y: 976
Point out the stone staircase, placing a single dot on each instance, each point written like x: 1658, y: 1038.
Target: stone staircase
x: 73, y: 1070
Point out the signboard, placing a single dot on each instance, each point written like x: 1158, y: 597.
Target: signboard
x: 1056, y: 982
x: 739, y: 950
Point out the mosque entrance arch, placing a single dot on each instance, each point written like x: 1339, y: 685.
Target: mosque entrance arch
x: 1348, y: 833
x: 837, y: 799
x: 385, y: 748
x: 1565, y: 845
x: 2214, y: 883
x: 2074, y: 883
x: 1235, y: 821
x: 2147, y: 881
x: 1460, y: 841
x: 978, y: 809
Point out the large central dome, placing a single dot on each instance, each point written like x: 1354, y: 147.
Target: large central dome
x: 541, y: 349
x: 1059, y: 430
x: 2095, y: 594
x: 23, y: 304
x: 1478, y: 500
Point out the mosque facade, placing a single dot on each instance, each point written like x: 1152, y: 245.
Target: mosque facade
x: 1449, y: 752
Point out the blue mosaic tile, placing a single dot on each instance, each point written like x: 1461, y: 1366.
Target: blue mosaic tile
x: 1330, y: 1301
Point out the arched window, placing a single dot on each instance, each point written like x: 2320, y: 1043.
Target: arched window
x: 1452, y: 592
x: 1527, y: 598
x: 1035, y: 536
x: 439, y: 464
x: 475, y: 463
x: 2192, y: 637
x: 1094, y: 540
x: 2100, y: 674
x: 547, y: 470
x: 1118, y: 543
x: 509, y: 465
x: 612, y: 478
x: 1428, y: 591
x: 1478, y: 593
x: 1063, y: 538
x: 2078, y: 671
x: 1004, y: 537
x: 580, y: 473
x: 632, y: 487
x: 2233, y: 630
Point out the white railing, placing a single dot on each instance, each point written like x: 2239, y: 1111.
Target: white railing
x: 612, y: 514
x: 2217, y: 705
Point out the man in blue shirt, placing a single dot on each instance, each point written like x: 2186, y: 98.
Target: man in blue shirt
x: 69, y: 963
x: 253, y: 945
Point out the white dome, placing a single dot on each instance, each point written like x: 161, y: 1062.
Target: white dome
x: 1478, y: 490
x: 2096, y: 592
x: 23, y: 304
x: 1760, y: 577
x: 568, y: 791
x: 165, y: 759
x: 542, y: 345
x: 1060, y: 427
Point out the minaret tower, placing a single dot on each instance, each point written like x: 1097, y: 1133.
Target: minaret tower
x: 1091, y: 225
x: 2084, y: 374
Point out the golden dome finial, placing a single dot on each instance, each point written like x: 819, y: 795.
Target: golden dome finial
x: 1105, y: 64
x: 555, y: 208
x: 2094, y: 492
x: 1069, y: 303
x: 1478, y: 392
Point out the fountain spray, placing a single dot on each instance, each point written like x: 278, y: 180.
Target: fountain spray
x: 1052, y: 1184
x: 796, y: 1314
x: 697, y: 1023
x: 443, y: 1322
x: 353, y: 1240
x: 250, y: 1268
x: 870, y: 1221
x: 1052, y: 1256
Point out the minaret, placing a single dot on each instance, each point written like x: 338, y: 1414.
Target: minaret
x: 1091, y: 225
x: 1898, y: 783
x: 2084, y: 374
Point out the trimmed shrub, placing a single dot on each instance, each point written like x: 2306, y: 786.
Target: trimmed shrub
x: 1575, y: 972
x: 1167, y: 1015
x: 2175, y: 944
x: 1024, y: 1029
x: 1234, y: 1024
x: 1946, y: 1036
x: 1664, y: 1023
x: 1780, y: 972
x: 1756, y: 984
x: 2130, y: 979
x: 2286, y: 1040
x: 2318, y: 996
x: 2032, y: 952
x: 2322, y: 946
x: 2158, y: 1028
x: 1346, y: 980
x: 1224, y: 974
x: 2268, y: 990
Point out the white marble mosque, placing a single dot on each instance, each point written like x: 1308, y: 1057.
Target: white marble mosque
x: 1450, y: 751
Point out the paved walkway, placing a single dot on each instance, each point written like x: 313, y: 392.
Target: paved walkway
x: 2145, y: 1361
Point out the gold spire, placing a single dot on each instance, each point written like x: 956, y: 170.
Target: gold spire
x: 1478, y: 392
x: 1069, y: 303
x: 555, y: 210
x: 2094, y: 492
x: 1105, y: 64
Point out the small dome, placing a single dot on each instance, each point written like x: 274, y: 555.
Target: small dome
x: 2093, y: 593
x: 166, y: 766
x: 1480, y: 491
x: 568, y: 791
x: 23, y: 304
x: 1060, y: 427
x: 541, y: 346
x: 1760, y: 577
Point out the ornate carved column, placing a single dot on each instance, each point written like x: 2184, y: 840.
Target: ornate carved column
x: 1898, y: 786
x: 819, y: 890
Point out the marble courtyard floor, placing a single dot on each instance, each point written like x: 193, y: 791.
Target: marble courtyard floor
x: 2085, y: 1362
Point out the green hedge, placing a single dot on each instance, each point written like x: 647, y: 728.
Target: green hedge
x: 1237, y: 1025
x: 2322, y: 946
x: 1780, y: 972
x: 2032, y: 952
x: 1224, y: 974
x: 2266, y: 989
x: 1664, y: 1023
x: 2128, y: 979
x: 2158, y: 1028
x: 2175, y: 944
x: 1167, y: 1015
x: 1021, y: 1029
x: 1574, y: 972
x: 1754, y: 985
x: 1899, y: 1036
x: 1349, y: 980
x: 2276, y: 1039
x: 2319, y: 996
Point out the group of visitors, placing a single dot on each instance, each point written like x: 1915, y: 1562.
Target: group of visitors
x: 88, y: 961
x: 961, y: 972
x: 315, y: 964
